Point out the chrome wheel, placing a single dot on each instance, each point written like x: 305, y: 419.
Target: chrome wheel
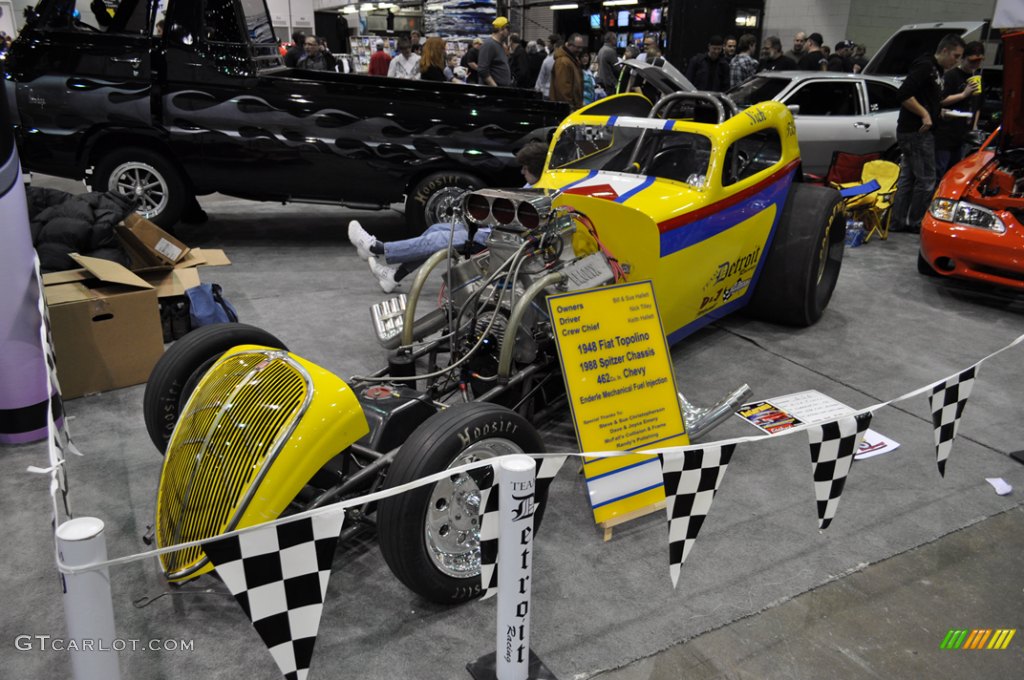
x: 452, y: 527
x: 143, y: 184
x: 441, y: 203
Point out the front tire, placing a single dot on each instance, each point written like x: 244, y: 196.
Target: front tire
x: 146, y: 178
x: 178, y: 372
x: 433, y: 197
x: 430, y: 536
x: 803, y: 263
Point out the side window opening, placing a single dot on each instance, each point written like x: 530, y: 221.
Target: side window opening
x: 220, y: 22
x: 882, y: 97
x: 825, y: 98
x: 751, y: 154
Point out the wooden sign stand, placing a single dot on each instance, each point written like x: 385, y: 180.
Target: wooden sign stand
x: 608, y: 525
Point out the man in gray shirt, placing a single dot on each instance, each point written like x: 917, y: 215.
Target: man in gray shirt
x: 544, y: 77
x: 606, y: 58
x: 492, y: 65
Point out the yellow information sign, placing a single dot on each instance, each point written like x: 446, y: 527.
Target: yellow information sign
x: 622, y: 391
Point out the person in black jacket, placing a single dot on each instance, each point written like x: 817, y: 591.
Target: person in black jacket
x: 814, y: 58
x: 920, y: 94
x: 432, y: 61
x: 709, y: 71
x: 776, y: 60
x: 469, y: 61
x: 315, y: 57
x: 535, y: 56
x: 291, y: 57
x: 519, y: 61
x: 960, y: 93
x: 840, y: 60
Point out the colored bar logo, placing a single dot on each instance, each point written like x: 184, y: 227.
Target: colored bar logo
x: 978, y: 638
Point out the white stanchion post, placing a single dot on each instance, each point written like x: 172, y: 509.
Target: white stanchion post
x: 88, y: 607
x: 516, y: 506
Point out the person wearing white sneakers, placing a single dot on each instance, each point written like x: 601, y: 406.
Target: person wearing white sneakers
x: 392, y: 261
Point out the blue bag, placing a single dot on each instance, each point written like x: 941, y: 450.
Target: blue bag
x: 207, y: 305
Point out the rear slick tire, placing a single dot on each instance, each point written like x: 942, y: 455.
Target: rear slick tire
x: 431, y: 200
x: 177, y: 373
x: 803, y: 262
x: 429, y: 536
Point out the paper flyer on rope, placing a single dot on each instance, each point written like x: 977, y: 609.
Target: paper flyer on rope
x: 778, y: 414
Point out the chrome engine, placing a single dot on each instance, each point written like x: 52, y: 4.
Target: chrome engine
x: 490, y: 313
x: 530, y: 249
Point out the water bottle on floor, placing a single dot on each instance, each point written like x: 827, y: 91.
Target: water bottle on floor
x: 854, y: 233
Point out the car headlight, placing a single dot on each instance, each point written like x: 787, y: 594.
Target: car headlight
x: 966, y: 214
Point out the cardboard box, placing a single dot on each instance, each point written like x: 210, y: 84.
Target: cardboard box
x: 162, y: 260
x: 106, y: 326
x: 107, y: 330
x: 148, y: 244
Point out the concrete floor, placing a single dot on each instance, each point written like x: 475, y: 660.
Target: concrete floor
x: 762, y: 595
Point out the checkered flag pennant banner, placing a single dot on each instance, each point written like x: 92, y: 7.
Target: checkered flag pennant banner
x: 692, y: 478
x: 59, y: 438
x: 948, y: 401
x: 279, y: 576
x: 547, y: 468
x: 489, y: 536
x: 832, y: 447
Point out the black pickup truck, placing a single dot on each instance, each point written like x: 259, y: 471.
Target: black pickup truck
x: 208, y: 107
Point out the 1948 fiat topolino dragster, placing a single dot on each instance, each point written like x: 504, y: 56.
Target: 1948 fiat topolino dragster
x: 712, y: 212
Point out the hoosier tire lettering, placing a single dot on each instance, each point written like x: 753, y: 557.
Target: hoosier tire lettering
x: 467, y: 437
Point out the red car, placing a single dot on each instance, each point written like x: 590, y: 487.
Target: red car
x: 974, y: 228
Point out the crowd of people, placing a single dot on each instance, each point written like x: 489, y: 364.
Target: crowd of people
x: 560, y: 69
x: 729, y: 61
x: 564, y: 69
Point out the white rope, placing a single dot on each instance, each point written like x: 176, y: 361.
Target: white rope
x: 436, y: 477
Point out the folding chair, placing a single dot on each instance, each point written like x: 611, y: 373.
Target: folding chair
x: 870, y: 199
x: 844, y: 167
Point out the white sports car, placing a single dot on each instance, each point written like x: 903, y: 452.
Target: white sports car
x: 833, y: 111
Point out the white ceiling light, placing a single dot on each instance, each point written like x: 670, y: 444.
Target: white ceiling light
x: 349, y: 9
x: 570, y: 5
x: 367, y: 6
x: 613, y: 3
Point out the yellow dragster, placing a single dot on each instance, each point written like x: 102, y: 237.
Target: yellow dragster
x: 703, y: 200
x: 698, y: 207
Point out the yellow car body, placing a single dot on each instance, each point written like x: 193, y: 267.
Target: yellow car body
x: 703, y: 247
x: 254, y: 405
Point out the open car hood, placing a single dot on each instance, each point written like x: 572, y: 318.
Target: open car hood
x: 1013, y: 89
x: 666, y: 79
x: 897, y: 53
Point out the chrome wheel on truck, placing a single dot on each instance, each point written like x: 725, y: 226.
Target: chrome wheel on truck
x: 147, y: 179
